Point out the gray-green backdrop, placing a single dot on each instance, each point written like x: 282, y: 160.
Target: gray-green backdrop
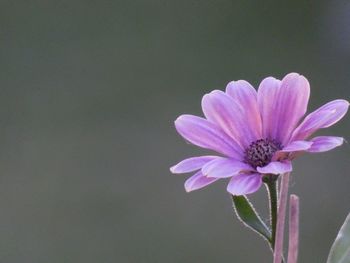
x: 89, y: 91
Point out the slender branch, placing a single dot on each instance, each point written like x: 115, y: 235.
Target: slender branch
x: 293, y: 229
x: 278, y: 251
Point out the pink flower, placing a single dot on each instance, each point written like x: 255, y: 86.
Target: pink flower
x: 255, y: 132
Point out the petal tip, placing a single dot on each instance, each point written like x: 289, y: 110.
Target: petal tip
x: 293, y: 75
x: 179, y: 119
x: 188, y: 185
x: 172, y: 169
x: 187, y: 189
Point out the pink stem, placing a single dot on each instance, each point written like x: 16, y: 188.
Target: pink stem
x: 293, y: 229
x: 281, y: 215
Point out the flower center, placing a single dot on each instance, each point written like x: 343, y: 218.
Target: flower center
x: 260, y: 152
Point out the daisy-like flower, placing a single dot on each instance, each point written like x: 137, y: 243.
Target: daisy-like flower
x: 255, y: 133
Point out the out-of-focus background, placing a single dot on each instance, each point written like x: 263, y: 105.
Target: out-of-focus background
x: 89, y: 93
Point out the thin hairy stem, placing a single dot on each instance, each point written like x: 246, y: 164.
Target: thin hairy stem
x: 278, y: 251
x: 293, y: 229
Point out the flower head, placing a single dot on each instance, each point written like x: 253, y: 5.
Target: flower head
x: 255, y: 133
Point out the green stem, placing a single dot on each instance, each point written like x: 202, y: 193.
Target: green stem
x: 272, y: 190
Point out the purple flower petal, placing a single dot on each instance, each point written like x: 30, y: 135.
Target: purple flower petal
x: 198, y: 181
x: 220, y: 108
x: 207, y: 135
x: 243, y: 184
x: 191, y: 164
x: 296, y: 146
x: 282, y: 105
x: 267, y: 96
x: 276, y: 168
x: 292, y: 150
x: 224, y: 167
x: 323, y: 117
x: 325, y: 143
x: 244, y: 94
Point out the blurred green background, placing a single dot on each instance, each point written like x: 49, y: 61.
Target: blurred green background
x: 89, y: 93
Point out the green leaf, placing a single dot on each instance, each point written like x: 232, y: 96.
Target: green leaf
x: 249, y: 217
x: 340, y: 251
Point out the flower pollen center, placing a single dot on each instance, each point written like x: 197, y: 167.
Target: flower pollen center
x: 260, y: 152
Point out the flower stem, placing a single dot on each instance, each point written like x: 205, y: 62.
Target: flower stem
x: 293, y: 229
x: 271, y: 184
x: 278, y: 251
